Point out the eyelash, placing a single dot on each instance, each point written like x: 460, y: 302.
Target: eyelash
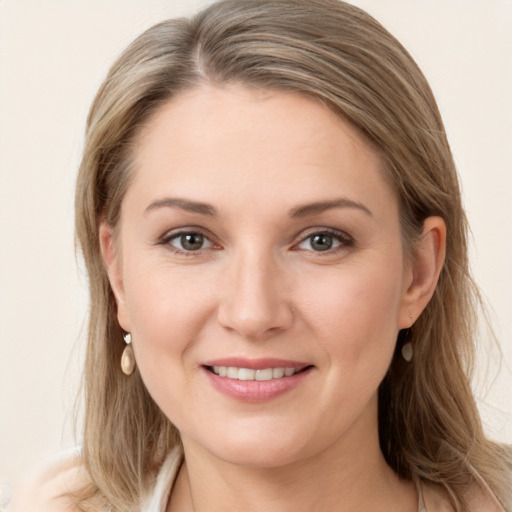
x: 168, y: 238
x: 344, y: 240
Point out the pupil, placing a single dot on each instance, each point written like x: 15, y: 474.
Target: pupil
x: 192, y: 241
x: 321, y: 242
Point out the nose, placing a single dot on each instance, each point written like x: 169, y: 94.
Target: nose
x: 255, y: 302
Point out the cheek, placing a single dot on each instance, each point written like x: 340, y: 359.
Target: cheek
x: 167, y: 310
x: 355, y: 312
x: 167, y: 313
x: 355, y: 325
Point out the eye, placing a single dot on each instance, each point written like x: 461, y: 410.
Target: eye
x: 323, y: 241
x: 189, y: 241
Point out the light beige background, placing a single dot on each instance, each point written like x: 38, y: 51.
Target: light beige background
x: 53, y: 55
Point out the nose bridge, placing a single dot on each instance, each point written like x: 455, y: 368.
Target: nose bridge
x: 254, y: 300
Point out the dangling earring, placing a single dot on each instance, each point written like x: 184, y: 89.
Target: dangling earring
x: 407, y: 351
x: 404, y: 345
x: 128, y: 357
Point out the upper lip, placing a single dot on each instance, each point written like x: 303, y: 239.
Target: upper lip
x: 256, y: 364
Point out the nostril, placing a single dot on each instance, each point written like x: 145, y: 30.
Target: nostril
x: 255, y: 316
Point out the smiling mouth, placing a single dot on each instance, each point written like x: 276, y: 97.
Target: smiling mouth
x: 248, y: 374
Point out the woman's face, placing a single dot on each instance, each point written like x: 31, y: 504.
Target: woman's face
x: 259, y: 237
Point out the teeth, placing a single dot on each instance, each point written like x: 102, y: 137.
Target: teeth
x: 277, y: 373
x: 266, y: 374
x: 246, y: 374
x: 232, y: 372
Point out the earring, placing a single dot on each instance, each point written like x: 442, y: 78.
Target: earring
x: 128, y: 357
x: 407, y: 351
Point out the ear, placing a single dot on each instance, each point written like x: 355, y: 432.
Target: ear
x: 423, y: 271
x: 112, y: 260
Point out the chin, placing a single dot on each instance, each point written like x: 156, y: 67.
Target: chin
x: 260, y: 451
x: 256, y: 457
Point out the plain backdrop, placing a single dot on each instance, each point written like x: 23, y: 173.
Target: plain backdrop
x: 53, y: 56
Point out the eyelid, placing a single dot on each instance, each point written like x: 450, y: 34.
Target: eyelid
x: 185, y: 230
x: 344, y: 238
x: 178, y: 236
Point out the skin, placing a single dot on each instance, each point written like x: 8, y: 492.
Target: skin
x: 259, y: 287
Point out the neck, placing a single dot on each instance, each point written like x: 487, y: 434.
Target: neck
x: 349, y: 476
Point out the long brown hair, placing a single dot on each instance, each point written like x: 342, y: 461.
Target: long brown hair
x: 335, y: 53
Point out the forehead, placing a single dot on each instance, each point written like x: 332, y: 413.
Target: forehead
x: 216, y: 141
x: 240, y: 110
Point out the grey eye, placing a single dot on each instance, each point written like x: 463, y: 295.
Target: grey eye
x: 322, y: 242
x: 190, y: 241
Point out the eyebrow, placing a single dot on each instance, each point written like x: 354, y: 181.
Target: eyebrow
x: 298, y: 212
x: 322, y: 206
x: 183, y: 204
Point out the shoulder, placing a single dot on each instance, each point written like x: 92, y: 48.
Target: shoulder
x: 436, y: 498
x: 47, y: 488
x: 479, y: 499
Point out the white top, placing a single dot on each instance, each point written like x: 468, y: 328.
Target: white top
x: 159, y: 497
x: 157, y: 501
x: 66, y: 473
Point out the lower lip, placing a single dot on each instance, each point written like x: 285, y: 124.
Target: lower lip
x: 255, y: 390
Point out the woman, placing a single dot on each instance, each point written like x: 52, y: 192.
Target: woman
x: 281, y: 311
